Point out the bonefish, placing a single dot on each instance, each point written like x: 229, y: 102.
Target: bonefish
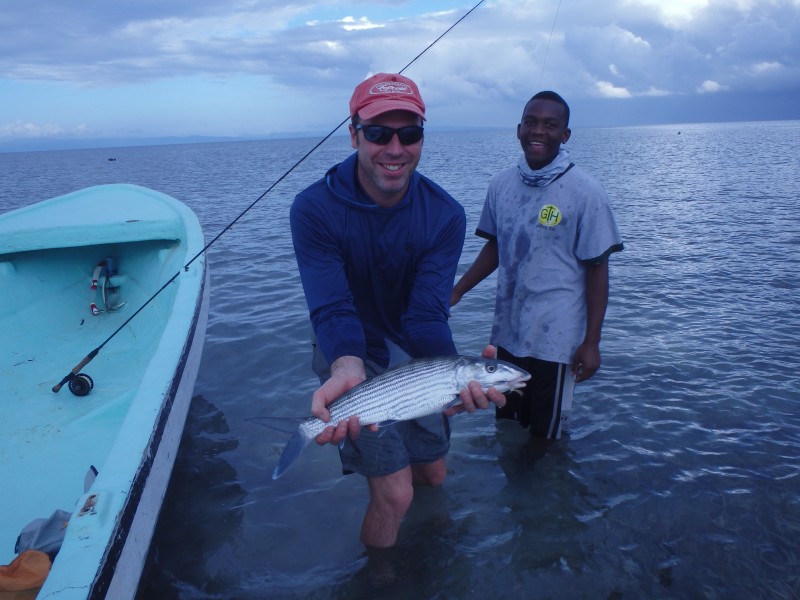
x: 415, y: 389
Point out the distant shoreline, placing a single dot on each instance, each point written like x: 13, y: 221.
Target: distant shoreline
x: 58, y: 144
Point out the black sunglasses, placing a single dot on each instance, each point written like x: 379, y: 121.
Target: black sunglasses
x: 379, y: 134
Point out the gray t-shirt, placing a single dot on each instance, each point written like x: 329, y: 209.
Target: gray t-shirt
x: 545, y: 236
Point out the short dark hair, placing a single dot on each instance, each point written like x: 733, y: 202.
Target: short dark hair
x: 548, y: 95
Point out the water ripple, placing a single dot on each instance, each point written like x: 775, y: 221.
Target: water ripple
x: 681, y: 475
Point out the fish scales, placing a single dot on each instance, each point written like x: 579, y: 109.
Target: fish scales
x: 418, y: 388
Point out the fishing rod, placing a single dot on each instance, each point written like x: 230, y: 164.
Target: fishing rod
x: 88, y: 358
x: 547, y: 48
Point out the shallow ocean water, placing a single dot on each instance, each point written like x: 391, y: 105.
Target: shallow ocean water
x: 681, y: 476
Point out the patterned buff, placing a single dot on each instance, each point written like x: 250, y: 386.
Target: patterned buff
x: 541, y: 177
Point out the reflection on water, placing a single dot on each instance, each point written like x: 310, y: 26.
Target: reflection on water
x: 204, y: 489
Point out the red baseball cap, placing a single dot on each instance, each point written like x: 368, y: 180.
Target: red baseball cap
x: 384, y: 92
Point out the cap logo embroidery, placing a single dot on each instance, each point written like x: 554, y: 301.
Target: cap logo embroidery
x: 391, y: 87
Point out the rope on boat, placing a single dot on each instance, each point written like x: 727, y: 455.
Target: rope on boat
x: 76, y: 370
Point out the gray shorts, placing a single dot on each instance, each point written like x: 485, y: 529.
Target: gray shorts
x: 392, y: 447
x: 395, y: 446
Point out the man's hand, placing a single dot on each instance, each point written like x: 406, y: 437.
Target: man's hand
x: 346, y: 372
x: 473, y: 397
x: 586, y: 361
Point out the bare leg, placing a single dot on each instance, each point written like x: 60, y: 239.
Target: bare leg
x: 430, y: 474
x: 390, y: 499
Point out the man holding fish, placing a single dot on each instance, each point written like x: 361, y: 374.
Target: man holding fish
x: 377, y: 247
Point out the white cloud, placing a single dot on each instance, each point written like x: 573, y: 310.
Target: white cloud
x: 315, y: 50
x: 654, y: 92
x: 26, y: 130
x: 674, y: 13
x: 353, y: 24
x: 710, y: 87
x: 765, y: 67
x: 609, y: 90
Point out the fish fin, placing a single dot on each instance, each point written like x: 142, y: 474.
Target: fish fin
x: 284, y: 424
x: 293, y: 449
x: 397, y: 356
x: 383, y: 425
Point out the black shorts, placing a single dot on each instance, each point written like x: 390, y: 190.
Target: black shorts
x: 545, y: 400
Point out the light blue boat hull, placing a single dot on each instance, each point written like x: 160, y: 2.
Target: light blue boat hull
x: 129, y: 425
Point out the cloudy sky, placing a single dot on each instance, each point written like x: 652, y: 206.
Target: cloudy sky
x: 142, y: 69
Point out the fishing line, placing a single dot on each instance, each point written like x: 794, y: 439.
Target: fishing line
x: 71, y: 375
x: 547, y: 48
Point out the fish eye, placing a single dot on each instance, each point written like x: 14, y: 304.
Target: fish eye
x: 491, y: 368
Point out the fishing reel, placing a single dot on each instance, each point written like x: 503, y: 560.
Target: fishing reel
x: 80, y: 384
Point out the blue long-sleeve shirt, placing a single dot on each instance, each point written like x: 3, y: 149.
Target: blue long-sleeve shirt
x: 371, y: 273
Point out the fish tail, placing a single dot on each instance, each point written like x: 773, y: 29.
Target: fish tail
x: 293, y: 449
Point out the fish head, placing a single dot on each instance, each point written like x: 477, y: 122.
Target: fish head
x: 491, y: 372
